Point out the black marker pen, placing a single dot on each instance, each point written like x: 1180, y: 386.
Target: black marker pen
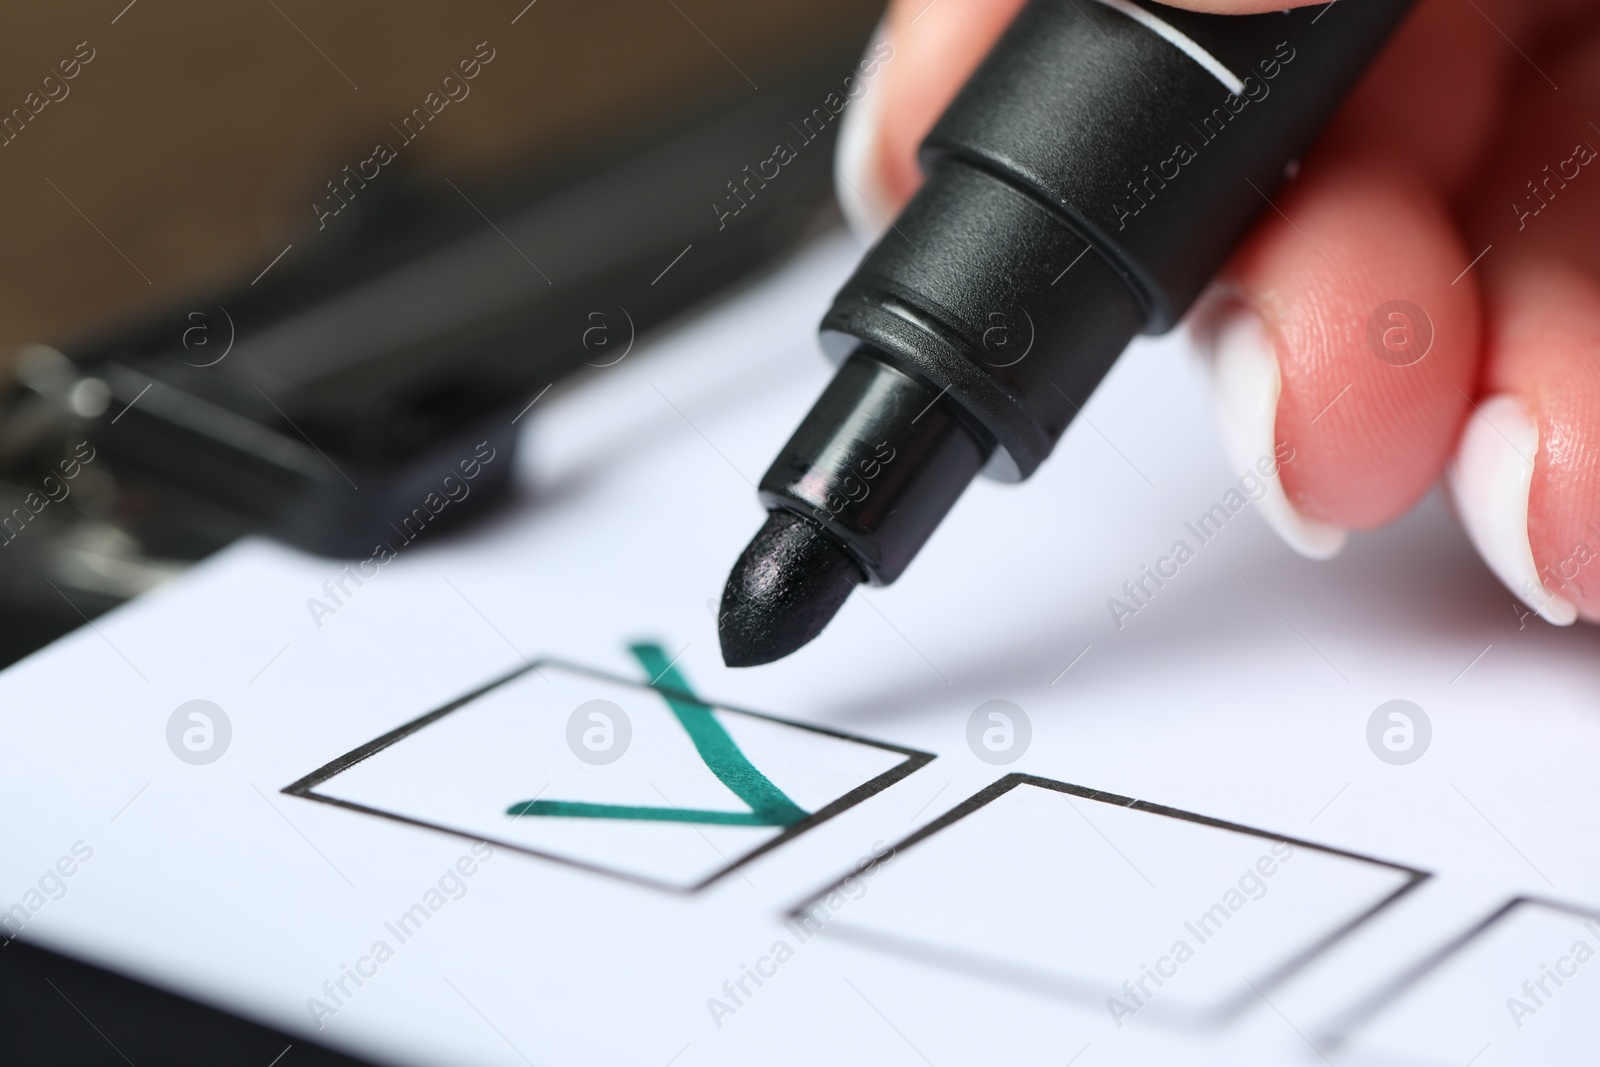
x: 1084, y: 186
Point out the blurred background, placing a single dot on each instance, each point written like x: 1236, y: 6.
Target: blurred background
x: 260, y: 253
x: 200, y: 134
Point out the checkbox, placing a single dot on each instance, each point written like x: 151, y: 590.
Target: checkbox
x: 531, y: 763
x: 1141, y: 912
x: 1520, y: 986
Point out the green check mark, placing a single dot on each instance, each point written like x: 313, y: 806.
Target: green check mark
x: 769, y: 806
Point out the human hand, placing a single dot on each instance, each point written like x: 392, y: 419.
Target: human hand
x: 1463, y: 176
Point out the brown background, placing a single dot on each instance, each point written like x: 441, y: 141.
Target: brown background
x: 202, y: 131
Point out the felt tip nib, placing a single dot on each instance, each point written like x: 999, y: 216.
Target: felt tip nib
x: 789, y: 582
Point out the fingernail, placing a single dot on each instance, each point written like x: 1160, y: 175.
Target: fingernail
x: 1245, y: 386
x: 857, y: 175
x: 1489, y: 480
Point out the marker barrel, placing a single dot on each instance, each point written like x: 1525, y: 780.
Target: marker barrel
x: 1085, y: 185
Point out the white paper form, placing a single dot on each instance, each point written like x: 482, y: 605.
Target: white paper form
x: 1037, y: 920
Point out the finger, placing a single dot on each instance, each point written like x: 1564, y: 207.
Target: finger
x: 937, y: 47
x: 1357, y: 270
x: 1440, y: 91
x: 857, y: 176
x: 1526, y: 478
x: 1344, y: 347
x: 931, y: 49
